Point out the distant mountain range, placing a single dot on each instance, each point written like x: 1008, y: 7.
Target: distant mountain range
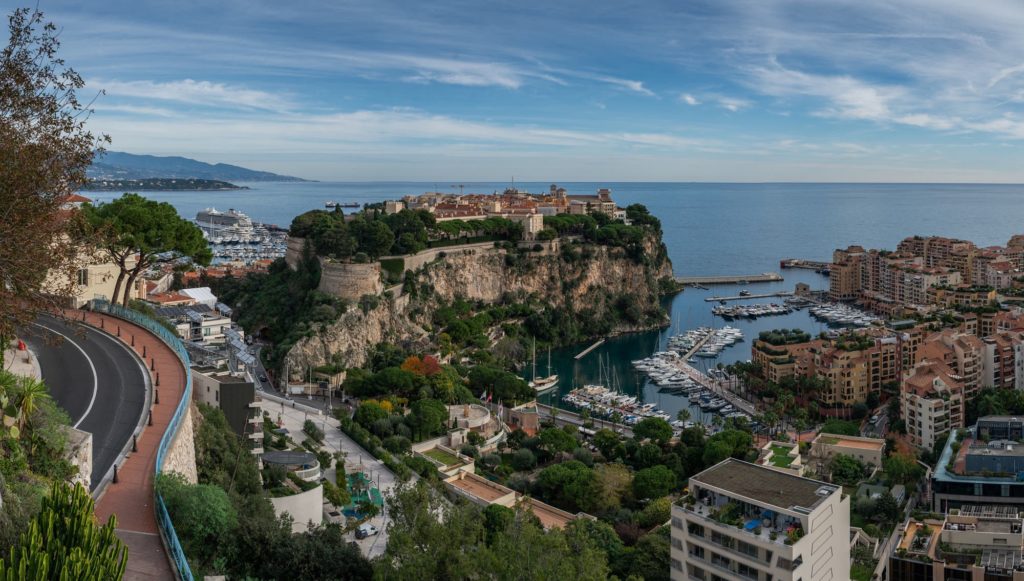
x: 117, y: 165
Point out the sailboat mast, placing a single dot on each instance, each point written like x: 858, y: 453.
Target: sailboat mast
x: 534, y: 359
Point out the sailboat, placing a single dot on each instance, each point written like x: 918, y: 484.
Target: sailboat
x: 541, y: 384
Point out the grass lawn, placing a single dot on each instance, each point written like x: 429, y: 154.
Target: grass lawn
x: 860, y: 572
x: 781, y: 457
x: 442, y: 456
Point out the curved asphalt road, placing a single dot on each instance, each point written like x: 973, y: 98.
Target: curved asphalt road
x: 97, y: 379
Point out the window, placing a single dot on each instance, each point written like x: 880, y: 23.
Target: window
x: 697, y: 551
x: 677, y: 523
x: 677, y: 565
x: 745, y: 571
x: 746, y: 549
x: 83, y: 277
x: 696, y: 530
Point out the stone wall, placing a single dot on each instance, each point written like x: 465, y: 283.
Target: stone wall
x: 350, y: 281
x: 181, y: 456
x: 304, y: 507
x: 293, y: 253
x: 78, y: 451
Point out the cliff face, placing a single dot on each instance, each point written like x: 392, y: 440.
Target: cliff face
x: 585, y: 279
x: 348, y: 341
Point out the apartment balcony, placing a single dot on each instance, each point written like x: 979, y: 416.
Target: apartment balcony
x: 256, y: 436
x: 745, y: 521
x: 257, y: 450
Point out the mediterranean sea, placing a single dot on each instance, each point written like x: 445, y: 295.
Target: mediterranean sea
x: 710, y: 229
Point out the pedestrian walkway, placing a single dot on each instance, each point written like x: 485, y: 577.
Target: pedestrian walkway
x: 357, y: 460
x: 132, y: 498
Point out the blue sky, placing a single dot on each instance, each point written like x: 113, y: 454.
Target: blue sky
x: 758, y: 90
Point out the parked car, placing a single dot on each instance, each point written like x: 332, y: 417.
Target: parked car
x: 365, y: 530
x: 263, y: 377
x: 873, y: 420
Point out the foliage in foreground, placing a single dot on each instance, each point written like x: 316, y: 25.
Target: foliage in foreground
x: 64, y: 541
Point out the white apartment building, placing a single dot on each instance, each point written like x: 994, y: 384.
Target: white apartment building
x: 747, y: 522
x: 932, y: 403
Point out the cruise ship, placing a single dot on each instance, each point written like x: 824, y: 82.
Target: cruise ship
x: 220, y: 226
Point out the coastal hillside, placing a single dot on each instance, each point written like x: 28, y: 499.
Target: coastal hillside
x: 118, y: 165
x: 160, y: 185
x: 578, y: 279
x: 500, y: 298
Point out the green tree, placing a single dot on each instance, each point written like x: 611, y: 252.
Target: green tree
x: 656, y: 429
x: 650, y: 557
x: 846, y: 469
x: 570, y: 485
x: 614, y: 485
x: 903, y: 469
x: 656, y: 513
x: 202, y: 513
x: 606, y: 442
x: 369, y: 412
x: 557, y: 440
x: 523, y: 459
x: 427, y: 417
x: 425, y: 542
x: 138, y: 233
x: 43, y: 158
x: 887, y: 509
x: 653, y: 482
x: 64, y: 541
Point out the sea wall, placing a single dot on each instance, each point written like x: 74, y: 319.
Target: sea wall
x: 293, y: 253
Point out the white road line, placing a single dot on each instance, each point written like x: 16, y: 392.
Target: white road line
x: 95, y: 377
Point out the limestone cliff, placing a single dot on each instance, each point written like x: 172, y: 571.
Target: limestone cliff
x: 586, y: 279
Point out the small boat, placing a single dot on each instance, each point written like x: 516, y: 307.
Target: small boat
x: 330, y: 204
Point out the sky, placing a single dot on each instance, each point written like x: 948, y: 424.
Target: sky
x: 613, y: 90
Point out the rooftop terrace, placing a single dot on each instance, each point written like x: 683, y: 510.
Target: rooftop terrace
x: 765, y: 485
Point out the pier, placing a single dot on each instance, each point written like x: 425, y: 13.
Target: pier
x: 589, y: 349
x: 697, y: 347
x: 815, y: 265
x: 758, y: 296
x: 717, y: 389
x: 729, y: 279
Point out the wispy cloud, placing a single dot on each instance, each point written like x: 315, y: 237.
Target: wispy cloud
x: 204, y: 93
x: 733, y: 103
x: 689, y: 99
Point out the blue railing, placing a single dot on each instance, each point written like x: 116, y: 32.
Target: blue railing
x: 163, y: 519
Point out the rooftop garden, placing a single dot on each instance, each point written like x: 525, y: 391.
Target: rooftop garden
x: 853, y: 342
x: 780, y: 456
x: 784, y: 336
x: 443, y: 457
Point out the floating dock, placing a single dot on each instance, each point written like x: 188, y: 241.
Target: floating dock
x: 729, y: 279
x: 589, y: 349
x: 759, y: 296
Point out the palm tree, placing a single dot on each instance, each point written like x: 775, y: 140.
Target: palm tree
x: 29, y: 393
x: 716, y: 421
x: 683, y: 415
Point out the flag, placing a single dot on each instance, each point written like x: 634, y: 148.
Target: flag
x: 483, y: 396
x: 489, y: 397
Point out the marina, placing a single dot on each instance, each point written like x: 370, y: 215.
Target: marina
x: 840, y: 314
x: 234, y: 237
x: 750, y: 311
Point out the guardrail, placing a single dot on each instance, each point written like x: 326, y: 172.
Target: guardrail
x: 172, y: 340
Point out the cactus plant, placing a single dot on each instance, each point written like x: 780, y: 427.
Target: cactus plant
x: 65, y: 542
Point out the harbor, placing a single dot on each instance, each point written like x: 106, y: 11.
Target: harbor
x: 610, y: 362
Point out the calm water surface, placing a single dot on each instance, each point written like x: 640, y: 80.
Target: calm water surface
x: 709, y: 229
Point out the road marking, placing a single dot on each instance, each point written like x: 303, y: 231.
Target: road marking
x: 95, y: 377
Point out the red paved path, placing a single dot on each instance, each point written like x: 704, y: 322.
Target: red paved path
x: 131, y: 499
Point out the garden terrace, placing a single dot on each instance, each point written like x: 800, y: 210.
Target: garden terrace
x: 779, y: 337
